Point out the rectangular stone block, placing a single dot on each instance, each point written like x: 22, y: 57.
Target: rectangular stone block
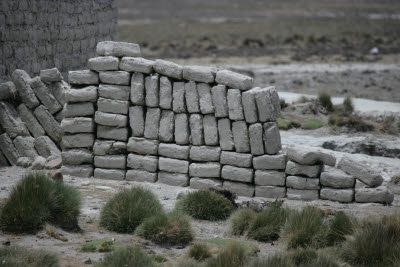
x: 26, y: 146
x: 139, y: 162
x: 30, y: 121
x: 207, y: 170
x: 237, y: 174
x: 112, y: 106
x: 7, y: 91
x: 234, y: 80
x: 340, y: 195
x: 173, y: 151
x: 77, y: 125
x: 175, y: 179
x: 205, y: 153
x: 312, y: 171
x: 236, y: 159
x: 268, y: 104
x: 84, y: 171
x: 83, y: 77
x: 270, y: 192
x: 235, y: 107
x: 109, y: 147
x: 241, y: 189
x: 298, y: 182
x: 137, y: 89
x: 363, y: 173
x: 44, y: 95
x: 115, y: 77
x: 204, y: 183
x: 86, y: 94
x: 136, y: 120
x: 58, y: 89
x: 256, y: 139
x: 21, y: 81
x: 167, y: 125
x: 210, y: 130
x: 103, y: 63
x: 205, y: 98
x: 196, y: 129
x: 220, y: 102
x: 379, y: 194
x: 8, y: 149
x: 249, y: 105
x: 165, y: 93
x: 181, y: 129
x: 78, y: 110
x: 118, y: 49
x: 151, y: 84
x: 109, y: 174
x: 3, y: 160
x: 178, y: 97
x: 116, y: 92
x: 192, y: 97
x: 274, y: 178
x: 77, y: 157
x: 152, y: 123
x: 168, y: 68
x: 199, y: 74
x: 46, y: 147
x: 110, y: 161
x: 112, y: 133
x: 136, y: 64
x: 11, y: 122
x: 296, y: 194
x: 272, y: 138
x: 83, y: 140
x: 310, y: 156
x: 50, y: 75
x: 50, y: 125
x: 142, y: 146
x: 225, y: 134
x: 240, y: 136
x: 336, y: 179
x: 110, y: 119
x: 141, y: 176
x: 173, y: 165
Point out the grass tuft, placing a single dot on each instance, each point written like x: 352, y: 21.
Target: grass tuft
x: 313, y: 124
x: 276, y: 260
x: 127, y: 256
x: 339, y: 227
x: 125, y: 211
x: 200, y: 252
x: 19, y: 256
x: 241, y: 220
x: 325, y: 100
x: 348, y: 105
x: 233, y: 256
x: 303, y: 255
x: 285, y: 124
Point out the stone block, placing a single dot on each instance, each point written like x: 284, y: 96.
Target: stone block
x: 307, y: 195
x: 110, y: 161
x: 141, y: 176
x: 175, y: 179
x: 203, y: 183
x: 210, y: 130
x: 272, y: 138
x: 112, y: 106
x: 379, y: 194
x: 167, y: 123
x: 340, y: 195
x: 192, y: 97
x: 112, y: 133
x: 8, y: 91
x: 173, y: 165
x: 78, y: 110
x: 8, y: 149
x: 117, y: 49
x: 225, y: 134
x: 310, y: 156
x: 108, y: 147
x: 136, y: 120
x: 50, y: 75
x: 173, y: 151
x: 312, y: 171
x: 58, y: 89
x: 236, y: 159
x: 234, y: 80
x: 336, y: 179
x: 50, y: 125
x: 38, y: 163
x: 270, y: 178
x: 205, y: 98
x: 206, y: 170
x: 178, y: 97
x: 196, y: 129
x: 83, y: 140
x: 109, y: 174
x: 270, y: 192
x: 270, y: 162
x: 151, y: 84
x: 136, y: 64
x: 240, y: 136
x: 83, y: 77
x: 30, y: 121
x: 77, y: 125
x: 46, y: 147
x: 24, y: 162
x: 235, y: 107
x: 110, y: 119
x: 152, y: 123
x: 84, y: 171
x: 298, y: 182
x: 115, y: 77
x: 86, y: 94
x: 168, y: 68
x: 77, y: 157
x: 44, y: 95
x: 21, y: 81
x: 26, y: 146
x: 11, y: 122
x: 241, y: 189
x: 268, y: 105
x: 116, y: 92
x: 256, y: 139
x: 3, y: 160
x: 139, y: 162
x: 137, y: 89
x: 199, y: 74
x: 250, y: 106
x: 360, y: 171
x: 237, y: 174
x: 165, y: 93
x: 142, y: 146
x: 220, y: 102
x: 205, y: 153
x: 103, y: 63
x: 181, y: 129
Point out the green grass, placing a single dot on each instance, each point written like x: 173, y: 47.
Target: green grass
x: 348, y: 105
x: 100, y: 245
x: 303, y: 255
x: 287, y: 124
x: 127, y: 256
x: 125, y: 211
x: 339, y: 227
x: 234, y: 255
x: 313, y: 124
x: 241, y: 220
x: 16, y: 256
x: 159, y: 258
x: 167, y: 229
x: 276, y: 260
x: 222, y: 244
x: 200, y: 252
x: 206, y: 205
x: 37, y: 199
x: 325, y: 100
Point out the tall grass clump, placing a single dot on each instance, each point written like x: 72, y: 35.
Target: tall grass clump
x: 232, y: 256
x: 128, y: 209
x: 276, y: 260
x: 37, y: 199
x: 22, y: 257
x: 305, y: 228
x: 127, y: 256
x: 206, y: 205
x: 267, y: 225
x: 241, y: 220
x: 340, y: 226
x: 348, y: 105
x: 167, y: 229
x: 325, y: 100
x: 199, y: 252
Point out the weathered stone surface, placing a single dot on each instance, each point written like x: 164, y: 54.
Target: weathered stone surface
x: 181, y: 129
x: 173, y: 165
x: 178, y: 97
x: 141, y: 176
x: 272, y: 138
x: 83, y: 77
x: 10, y: 121
x: 137, y: 89
x: 234, y: 80
x: 270, y: 192
x: 337, y: 179
x: 53, y: 163
x: 173, y: 151
x: 236, y: 159
x: 86, y: 94
x: 50, y: 125
x: 298, y: 182
x: 8, y: 149
x: 235, y: 107
x: 152, y: 123
x: 205, y: 153
x: 30, y: 121
x: 110, y: 161
x: 78, y: 110
x: 109, y: 147
x: 115, y: 77
x: 220, y: 101
x: 165, y: 93
x: 112, y: 133
x: 50, y: 75
x: 117, y: 92
x: 8, y: 91
x: 109, y: 174
x: 240, y: 136
x: 199, y: 74
x: 340, y: 195
x: 201, y: 183
x: 77, y: 125
x: 237, y: 174
x: 43, y: 93
x: 110, y: 119
x: 268, y: 105
x: 176, y: 179
x: 136, y: 120
x: 24, y: 162
x: 26, y: 146
x: 21, y: 80
x: 147, y: 163
x: 77, y: 157
x: 240, y: 189
x: 379, y: 194
x: 312, y: 171
x: 83, y: 140
x: 207, y: 170
x: 112, y: 106
x: 151, y: 85
x: 307, y: 195
x: 3, y: 160
x: 192, y: 97
x: 59, y: 116
x: 210, y: 130
x: 205, y: 98
x: 168, y: 68
x: 196, y: 129
x: 256, y: 139
x: 103, y: 63
x: 58, y: 89
x: 142, y: 146
x: 274, y: 178
x: 117, y: 49
x: 38, y: 163
x: 167, y: 124
x: 360, y: 171
x: 225, y: 134
x: 85, y: 171
x: 250, y: 106
x: 270, y: 162
x: 310, y: 156
x: 46, y: 147
x: 136, y: 64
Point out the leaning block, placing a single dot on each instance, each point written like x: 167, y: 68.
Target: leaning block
x: 26, y: 146
x: 234, y: 80
x: 30, y: 121
x: 136, y: 64
x: 168, y: 68
x: 50, y: 75
x: 360, y: 171
x: 44, y: 95
x: 8, y: 149
x: 21, y: 81
x: 46, y: 147
x: 10, y: 121
x: 199, y: 74
x: 48, y: 122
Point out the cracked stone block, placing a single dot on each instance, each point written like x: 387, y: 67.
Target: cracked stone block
x: 136, y: 64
